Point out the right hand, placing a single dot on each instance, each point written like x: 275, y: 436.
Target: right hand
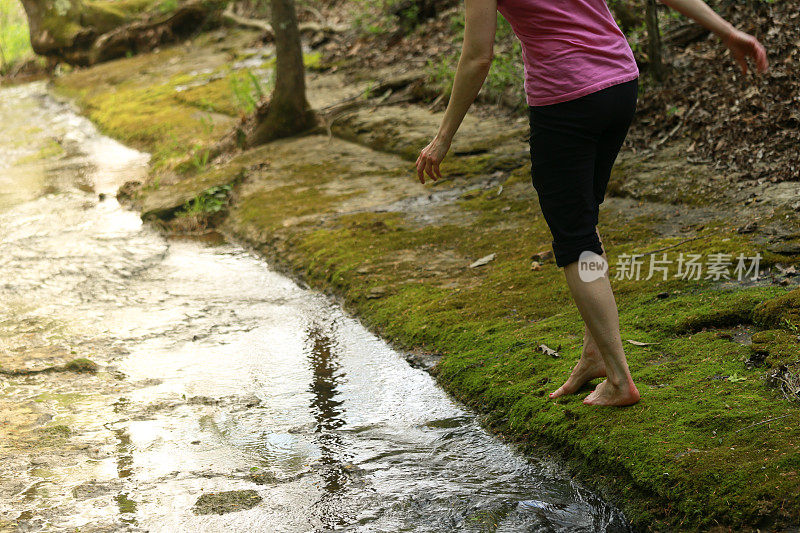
x: 430, y: 157
x: 742, y: 46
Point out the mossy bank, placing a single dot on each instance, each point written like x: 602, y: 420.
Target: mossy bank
x: 714, y: 443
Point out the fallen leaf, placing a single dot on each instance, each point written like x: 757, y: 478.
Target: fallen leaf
x: 638, y: 343
x: 483, y: 260
x: 548, y: 351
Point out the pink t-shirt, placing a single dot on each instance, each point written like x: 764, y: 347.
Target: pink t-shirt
x: 570, y: 48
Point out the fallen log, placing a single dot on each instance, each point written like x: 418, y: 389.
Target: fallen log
x: 84, y: 33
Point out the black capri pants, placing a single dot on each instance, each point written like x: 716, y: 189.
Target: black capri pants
x: 573, y: 147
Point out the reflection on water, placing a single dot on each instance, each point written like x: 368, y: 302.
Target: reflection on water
x: 223, y: 375
x: 327, y: 410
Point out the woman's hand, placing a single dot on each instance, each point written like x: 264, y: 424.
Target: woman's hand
x: 742, y: 46
x: 430, y: 157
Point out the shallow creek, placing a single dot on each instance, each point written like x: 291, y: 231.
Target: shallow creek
x: 227, y: 398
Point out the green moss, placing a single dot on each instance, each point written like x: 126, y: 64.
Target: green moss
x: 81, y: 365
x: 776, y: 347
x: 59, y: 430
x: 226, y: 502
x: 313, y: 61
x: 50, y: 150
x: 235, y: 94
x: 781, y: 311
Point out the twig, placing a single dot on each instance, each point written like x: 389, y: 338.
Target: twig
x: 759, y: 423
x: 670, y: 247
x: 676, y: 128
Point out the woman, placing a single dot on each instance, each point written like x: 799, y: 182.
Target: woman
x: 581, y: 85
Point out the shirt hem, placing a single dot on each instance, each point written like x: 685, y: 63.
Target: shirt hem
x: 534, y: 101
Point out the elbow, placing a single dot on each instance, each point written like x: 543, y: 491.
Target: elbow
x: 486, y: 62
x: 482, y: 62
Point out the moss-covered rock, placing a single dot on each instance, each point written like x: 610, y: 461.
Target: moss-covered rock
x: 226, y: 502
x: 781, y: 311
x: 81, y: 364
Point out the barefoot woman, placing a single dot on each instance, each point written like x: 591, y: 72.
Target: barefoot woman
x: 581, y: 85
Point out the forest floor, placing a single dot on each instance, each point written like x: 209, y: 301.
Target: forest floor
x: 714, y: 441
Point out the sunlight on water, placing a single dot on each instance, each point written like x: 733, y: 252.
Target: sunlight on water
x: 223, y: 375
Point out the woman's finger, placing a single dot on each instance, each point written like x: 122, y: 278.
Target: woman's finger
x: 761, y: 58
x: 421, y: 171
x: 429, y: 169
x: 742, y: 60
x: 436, y: 170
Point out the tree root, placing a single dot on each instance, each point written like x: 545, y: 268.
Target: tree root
x: 266, y: 28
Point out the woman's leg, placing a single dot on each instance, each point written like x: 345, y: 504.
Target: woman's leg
x: 573, y: 148
x: 598, y: 308
x: 590, y: 366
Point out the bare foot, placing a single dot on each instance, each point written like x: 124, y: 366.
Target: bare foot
x: 609, y: 394
x: 589, y: 367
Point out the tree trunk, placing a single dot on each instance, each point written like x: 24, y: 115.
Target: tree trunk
x: 654, y: 46
x: 627, y: 14
x: 84, y: 33
x: 288, y: 112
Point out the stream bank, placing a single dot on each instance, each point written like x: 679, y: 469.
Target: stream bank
x: 344, y: 213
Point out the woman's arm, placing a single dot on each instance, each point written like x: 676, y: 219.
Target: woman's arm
x: 740, y: 44
x: 476, y: 58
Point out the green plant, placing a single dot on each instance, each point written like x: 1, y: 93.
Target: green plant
x: 168, y: 6
x: 207, y: 122
x: 247, y: 90
x: 210, y: 201
x: 200, y: 158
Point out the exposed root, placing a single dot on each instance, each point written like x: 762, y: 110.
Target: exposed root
x: 266, y: 28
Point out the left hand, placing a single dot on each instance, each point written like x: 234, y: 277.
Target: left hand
x: 743, y: 46
x: 430, y: 158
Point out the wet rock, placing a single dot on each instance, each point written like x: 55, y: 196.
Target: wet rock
x: 785, y: 248
x: 261, y: 477
x: 750, y: 227
x: 82, y: 365
x: 202, y: 400
x: 93, y: 489
x: 423, y: 360
x: 226, y: 502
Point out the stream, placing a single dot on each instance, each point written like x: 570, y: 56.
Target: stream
x: 228, y: 398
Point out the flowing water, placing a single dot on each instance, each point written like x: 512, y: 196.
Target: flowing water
x: 228, y: 397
